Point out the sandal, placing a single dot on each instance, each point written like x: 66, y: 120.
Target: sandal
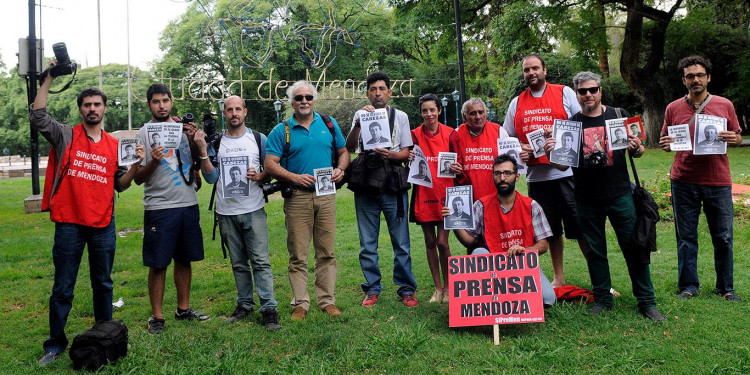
x: 731, y: 297
x: 685, y: 295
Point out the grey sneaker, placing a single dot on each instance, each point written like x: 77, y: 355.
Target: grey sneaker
x: 49, y: 357
x: 190, y: 314
x: 271, y: 320
x: 653, y: 314
x: 155, y: 325
x: 239, y: 314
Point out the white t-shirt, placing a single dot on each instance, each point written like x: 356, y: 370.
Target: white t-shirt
x: 543, y: 172
x: 243, y: 145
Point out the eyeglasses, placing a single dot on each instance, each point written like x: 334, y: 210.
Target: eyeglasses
x: 503, y: 173
x: 691, y: 77
x: 298, y: 98
x: 592, y: 90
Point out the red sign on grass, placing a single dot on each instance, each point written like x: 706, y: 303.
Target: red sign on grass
x: 490, y: 289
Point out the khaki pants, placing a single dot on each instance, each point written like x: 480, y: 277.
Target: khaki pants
x: 311, y: 218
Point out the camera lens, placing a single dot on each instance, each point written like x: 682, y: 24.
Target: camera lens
x: 61, y: 53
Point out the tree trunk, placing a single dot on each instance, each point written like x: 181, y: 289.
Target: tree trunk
x: 645, y: 80
x: 603, y: 45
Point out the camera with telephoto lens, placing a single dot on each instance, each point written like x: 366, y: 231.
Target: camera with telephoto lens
x: 283, y: 187
x: 209, y: 127
x: 64, y: 66
x: 596, y: 159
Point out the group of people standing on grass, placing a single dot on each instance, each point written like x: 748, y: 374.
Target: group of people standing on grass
x: 572, y: 201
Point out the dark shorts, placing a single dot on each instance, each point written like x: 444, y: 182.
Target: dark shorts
x: 172, y: 233
x: 557, y: 198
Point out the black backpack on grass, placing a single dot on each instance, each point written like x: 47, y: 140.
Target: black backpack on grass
x: 105, y: 342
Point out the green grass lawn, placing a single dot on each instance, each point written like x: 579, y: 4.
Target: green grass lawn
x: 703, y: 335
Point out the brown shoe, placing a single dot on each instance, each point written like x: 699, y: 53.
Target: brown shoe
x: 332, y: 310
x: 299, y: 313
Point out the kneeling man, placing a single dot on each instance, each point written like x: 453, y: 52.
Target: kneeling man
x: 508, y: 212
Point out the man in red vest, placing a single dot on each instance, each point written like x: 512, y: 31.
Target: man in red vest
x: 508, y: 222
x: 537, y: 108
x: 82, y: 176
x: 476, y: 146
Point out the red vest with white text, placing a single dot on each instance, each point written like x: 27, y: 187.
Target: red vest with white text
x: 501, y: 230
x: 85, y: 194
x: 538, y: 113
x: 478, y: 153
x: 428, y: 203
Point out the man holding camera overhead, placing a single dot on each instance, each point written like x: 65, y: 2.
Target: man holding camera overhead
x: 171, y: 222
x: 242, y: 219
x: 295, y: 147
x: 81, y: 202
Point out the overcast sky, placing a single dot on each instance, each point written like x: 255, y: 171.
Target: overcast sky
x: 75, y: 23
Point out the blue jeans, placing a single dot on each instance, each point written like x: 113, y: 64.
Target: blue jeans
x: 67, y: 251
x: 368, y: 210
x: 717, y: 205
x: 246, y: 237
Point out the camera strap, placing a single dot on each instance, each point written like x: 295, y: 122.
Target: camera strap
x: 66, y: 86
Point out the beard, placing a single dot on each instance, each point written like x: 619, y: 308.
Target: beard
x: 92, y: 120
x: 505, y: 191
x: 161, y: 118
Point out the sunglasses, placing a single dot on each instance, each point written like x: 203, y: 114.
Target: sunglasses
x: 592, y: 90
x: 298, y: 98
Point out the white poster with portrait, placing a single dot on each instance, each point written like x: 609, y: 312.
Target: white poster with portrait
x: 445, y: 159
x: 374, y: 129
x: 126, y: 152
x: 167, y: 134
x: 706, y: 137
x: 323, y: 183
x: 617, y: 134
x: 567, y: 142
x: 234, y: 176
x: 511, y: 146
x: 459, y: 199
x: 419, y: 169
x: 536, y: 140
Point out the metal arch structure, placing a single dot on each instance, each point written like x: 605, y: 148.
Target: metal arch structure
x: 254, y: 28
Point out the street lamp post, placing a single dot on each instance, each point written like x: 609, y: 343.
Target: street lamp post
x: 277, y: 107
x: 445, y: 109
x: 456, y: 96
x: 221, y: 109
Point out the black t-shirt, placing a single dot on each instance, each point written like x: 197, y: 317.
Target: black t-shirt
x: 601, y: 183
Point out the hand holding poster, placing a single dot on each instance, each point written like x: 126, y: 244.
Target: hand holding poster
x: 490, y: 289
x: 460, y: 200
x: 681, y: 135
x: 567, y: 142
x: 511, y: 146
x: 167, y: 134
x: 616, y: 134
x: 536, y: 140
x: 445, y: 159
x: 706, y: 135
x: 375, y: 131
x: 323, y: 184
x: 126, y: 151
x: 419, y: 169
x: 234, y: 176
